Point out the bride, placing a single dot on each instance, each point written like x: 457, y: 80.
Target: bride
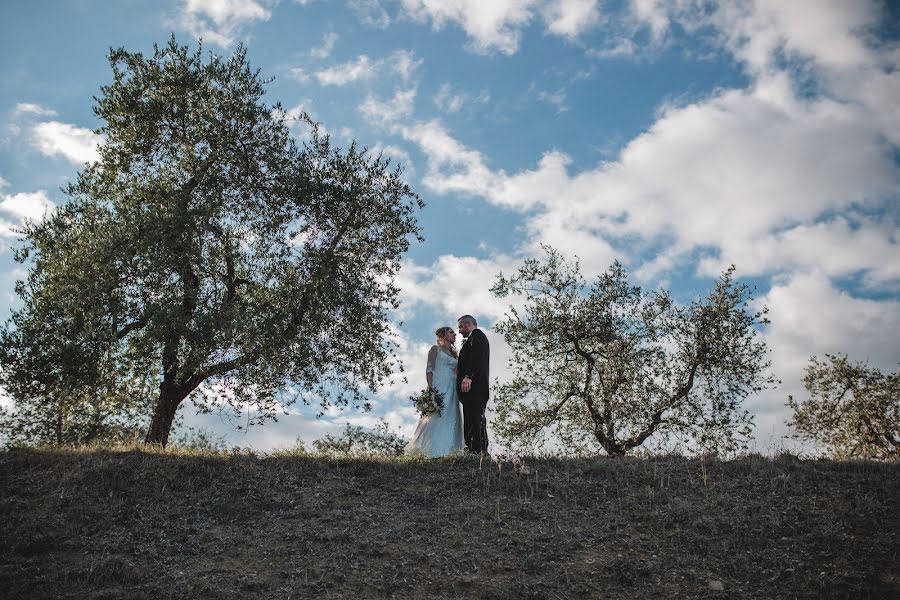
x: 440, y: 434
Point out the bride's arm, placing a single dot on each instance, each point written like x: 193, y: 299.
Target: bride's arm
x: 429, y: 366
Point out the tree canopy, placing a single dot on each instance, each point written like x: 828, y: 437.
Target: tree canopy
x: 607, y: 366
x: 852, y: 411
x: 209, y: 255
x: 355, y: 440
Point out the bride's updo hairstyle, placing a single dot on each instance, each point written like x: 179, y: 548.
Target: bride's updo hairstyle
x: 441, y: 335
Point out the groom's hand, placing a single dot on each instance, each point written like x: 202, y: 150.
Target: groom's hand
x: 466, y: 384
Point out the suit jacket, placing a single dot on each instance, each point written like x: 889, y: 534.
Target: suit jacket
x: 474, y: 362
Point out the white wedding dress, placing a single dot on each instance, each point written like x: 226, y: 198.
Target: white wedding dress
x: 440, y: 434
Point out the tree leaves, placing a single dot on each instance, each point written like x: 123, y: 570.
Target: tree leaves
x: 609, y: 365
x: 207, y: 243
x: 852, y: 410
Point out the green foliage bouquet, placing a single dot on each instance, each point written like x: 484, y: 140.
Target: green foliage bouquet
x: 428, y: 401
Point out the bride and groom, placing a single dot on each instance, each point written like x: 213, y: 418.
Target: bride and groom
x: 463, y: 380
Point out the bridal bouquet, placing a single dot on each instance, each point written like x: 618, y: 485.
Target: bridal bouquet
x: 428, y: 401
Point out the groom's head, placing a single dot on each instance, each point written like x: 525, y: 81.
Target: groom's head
x: 467, y: 325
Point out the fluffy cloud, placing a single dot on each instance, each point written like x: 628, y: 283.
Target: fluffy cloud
x: 448, y: 101
x: 810, y: 316
x: 370, y: 13
x: 34, y: 109
x: 498, y: 25
x: 570, y: 18
x: 751, y: 176
x: 26, y: 205
x: 361, y: 68
x: 455, y: 285
x: 219, y: 21
x: 76, y: 144
x: 387, y: 112
x: 328, y: 42
x: 401, y: 62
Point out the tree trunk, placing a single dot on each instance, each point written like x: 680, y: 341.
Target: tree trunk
x: 164, y: 415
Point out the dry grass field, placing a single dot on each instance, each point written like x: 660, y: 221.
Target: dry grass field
x: 131, y: 524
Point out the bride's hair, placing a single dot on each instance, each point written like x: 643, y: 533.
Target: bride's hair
x: 441, y: 334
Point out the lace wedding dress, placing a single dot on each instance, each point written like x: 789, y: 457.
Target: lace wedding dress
x: 440, y: 434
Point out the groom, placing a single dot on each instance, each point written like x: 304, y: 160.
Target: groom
x: 472, y: 381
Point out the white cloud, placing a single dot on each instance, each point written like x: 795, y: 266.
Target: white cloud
x: 451, y: 166
x: 298, y: 74
x: 733, y: 172
x: 570, y: 18
x: 447, y: 100
x: 361, y: 68
x: 491, y: 25
x: 26, y: 205
x: 404, y: 63
x: 3, y: 183
x: 76, y: 144
x: 328, y: 42
x: 401, y: 62
x: 557, y: 99
x: 370, y: 13
x: 34, y: 109
x: 498, y: 24
x: 455, y: 285
x: 810, y: 316
x: 219, y: 21
x: 388, y: 112
x: 450, y: 101
x: 7, y: 230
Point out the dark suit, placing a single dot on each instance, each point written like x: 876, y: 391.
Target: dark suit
x: 474, y: 362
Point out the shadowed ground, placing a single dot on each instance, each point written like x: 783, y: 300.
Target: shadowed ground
x: 134, y: 524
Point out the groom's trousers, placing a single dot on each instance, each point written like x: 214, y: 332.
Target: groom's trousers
x: 475, y: 424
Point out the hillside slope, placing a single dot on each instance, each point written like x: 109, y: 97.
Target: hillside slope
x: 133, y: 524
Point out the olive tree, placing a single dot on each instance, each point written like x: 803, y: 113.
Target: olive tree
x: 607, y: 366
x: 211, y: 252
x: 360, y: 441
x: 853, y: 411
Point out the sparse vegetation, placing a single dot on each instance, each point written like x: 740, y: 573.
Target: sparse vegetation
x: 608, y: 366
x: 853, y: 411
x: 359, y: 441
x: 83, y: 523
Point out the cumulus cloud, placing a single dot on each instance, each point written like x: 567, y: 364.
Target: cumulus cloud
x: 498, y: 25
x: 451, y: 100
x: 455, y: 284
x: 34, y: 109
x: 219, y: 21
x: 448, y: 101
x: 811, y: 316
x: 371, y: 13
x: 16, y: 208
x: 328, y: 42
x: 361, y: 68
x: 26, y: 205
x: 390, y: 111
x: 76, y: 144
x: 400, y: 62
x: 570, y: 18
x: 752, y: 176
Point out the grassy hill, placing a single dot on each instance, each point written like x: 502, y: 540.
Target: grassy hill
x: 142, y: 524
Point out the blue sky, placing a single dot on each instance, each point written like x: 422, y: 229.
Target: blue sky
x: 676, y: 137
